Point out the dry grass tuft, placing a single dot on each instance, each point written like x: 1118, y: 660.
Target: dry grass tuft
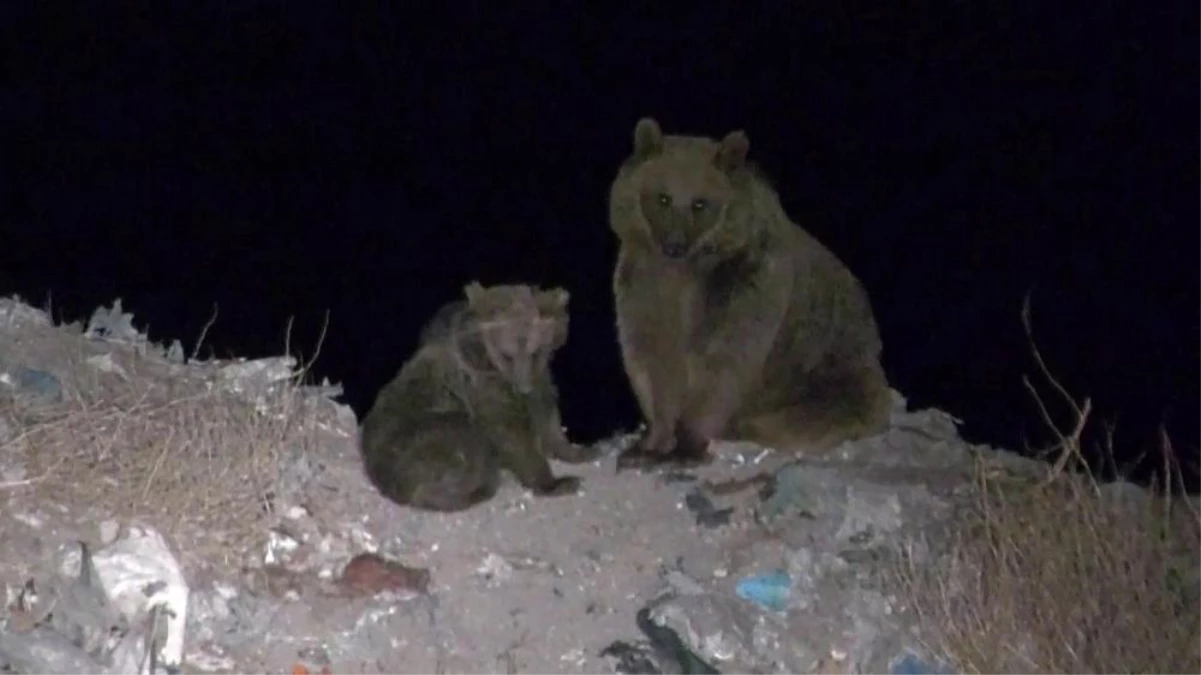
x: 1067, y: 576
x: 160, y: 442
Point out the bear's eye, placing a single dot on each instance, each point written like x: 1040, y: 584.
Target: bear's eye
x: 699, y: 205
x: 664, y: 199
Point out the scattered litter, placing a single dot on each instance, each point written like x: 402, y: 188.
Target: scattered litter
x: 260, y: 371
x: 675, y: 476
x: 662, y: 650
x: 82, y: 623
x: 787, y: 494
x: 280, y: 546
x: 311, y: 660
x: 14, y: 313
x: 869, y: 516
x: 631, y: 659
x: 574, y: 656
x: 256, y: 379
x: 740, y: 453
x: 618, y: 443
x: 105, y: 363
x: 285, y: 538
x: 771, y: 590
x: 911, y: 664
x: 175, y: 353
x: 113, y: 324
x: 325, y: 390
x: 494, y: 568
x: 33, y: 385
x: 370, y: 573
x: 139, y: 575
x: 707, y: 515
x: 669, y: 645
x: 936, y: 423
x: 42, y: 650
x: 680, y: 583
x: 207, y: 662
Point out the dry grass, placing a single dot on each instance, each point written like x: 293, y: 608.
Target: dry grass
x: 157, y: 441
x: 1066, y: 576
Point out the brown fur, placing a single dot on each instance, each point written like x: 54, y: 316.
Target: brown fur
x: 733, y: 321
x: 477, y: 397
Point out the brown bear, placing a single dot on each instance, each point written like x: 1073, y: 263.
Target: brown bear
x: 477, y: 397
x: 733, y: 321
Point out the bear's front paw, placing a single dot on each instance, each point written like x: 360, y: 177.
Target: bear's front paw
x: 692, y: 449
x: 654, y: 447
x: 658, y: 439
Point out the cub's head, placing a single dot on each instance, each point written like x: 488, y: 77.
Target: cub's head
x: 513, y: 330
x: 685, y: 187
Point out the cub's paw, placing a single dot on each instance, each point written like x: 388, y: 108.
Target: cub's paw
x: 563, y: 485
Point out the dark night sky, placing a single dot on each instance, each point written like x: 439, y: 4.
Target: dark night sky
x: 284, y: 160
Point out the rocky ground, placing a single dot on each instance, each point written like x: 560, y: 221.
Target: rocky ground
x: 292, y: 562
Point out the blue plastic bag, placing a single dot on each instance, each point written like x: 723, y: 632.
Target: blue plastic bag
x: 771, y: 590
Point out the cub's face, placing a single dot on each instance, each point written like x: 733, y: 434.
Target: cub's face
x: 682, y: 197
x: 519, y: 329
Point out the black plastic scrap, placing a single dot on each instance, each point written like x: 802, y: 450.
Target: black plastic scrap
x: 678, y: 477
x: 667, y: 642
x: 707, y: 515
x: 664, y: 652
x: 631, y: 659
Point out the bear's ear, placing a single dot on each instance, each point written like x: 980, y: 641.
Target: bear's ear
x: 475, y: 293
x: 554, y: 300
x: 731, y: 154
x: 648, y: 138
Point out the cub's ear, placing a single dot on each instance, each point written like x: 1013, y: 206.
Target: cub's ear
x: 554, y: 299
x: 648, y: 137
x: 731, y: 154
x: 475, y: 293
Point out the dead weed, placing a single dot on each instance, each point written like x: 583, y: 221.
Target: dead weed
x: 161, y: 442
x: 1067, y: 576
